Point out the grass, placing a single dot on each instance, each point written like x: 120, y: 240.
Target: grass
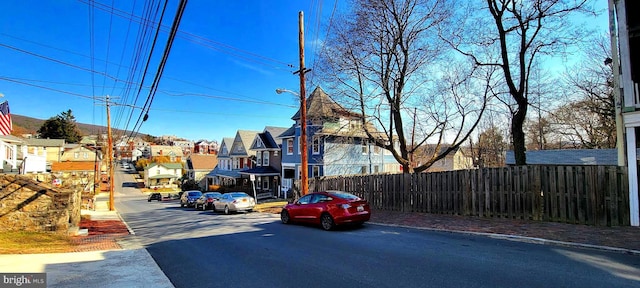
x: 22, y: 242
x: 270, y: 207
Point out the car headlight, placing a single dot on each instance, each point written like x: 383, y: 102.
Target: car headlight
x: 345, y: 206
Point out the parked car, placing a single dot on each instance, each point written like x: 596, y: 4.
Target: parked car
x: 206, y: 200
x: 154, y: 196
x: 327, y: 209
x: 234, y: 202
x: 189, y: 198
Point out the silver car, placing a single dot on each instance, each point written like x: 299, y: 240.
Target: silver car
x: 234, y: 202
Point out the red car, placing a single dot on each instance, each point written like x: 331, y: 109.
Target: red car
x: 329, y: 209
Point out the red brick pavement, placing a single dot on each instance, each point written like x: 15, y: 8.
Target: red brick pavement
x: 617, y: 237
x: 103, y: 235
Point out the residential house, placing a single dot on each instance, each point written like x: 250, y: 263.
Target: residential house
x: 266, y: 173
x: 239, y: 158
x: 568, y: 157
x: 198, y: 166
x: 187, y: 146
x: 205, y: 147
x: 458, y: 159
x: 16, y: 158
x: 162, y: 175
x: 626, y: 93
x: 81, y: 153
x: 223, y: 173
x: 132, y: 149
x: 173, y: 152
x: 52, y: 149
x: 337, y: 143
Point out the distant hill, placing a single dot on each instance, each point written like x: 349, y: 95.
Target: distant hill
x: 29, y: 125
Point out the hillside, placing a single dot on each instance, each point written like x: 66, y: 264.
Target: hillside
x: 29, y: 125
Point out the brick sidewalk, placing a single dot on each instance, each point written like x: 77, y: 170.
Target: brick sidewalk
x: 617, y: 237
x: 103, y: 235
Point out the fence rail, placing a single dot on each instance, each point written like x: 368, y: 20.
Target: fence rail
x: 592, y: 195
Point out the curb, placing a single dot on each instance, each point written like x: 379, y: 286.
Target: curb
x: 125, y: 224
x: 524, y: 239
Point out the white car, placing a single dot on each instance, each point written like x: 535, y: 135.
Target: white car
x: 234, y: 202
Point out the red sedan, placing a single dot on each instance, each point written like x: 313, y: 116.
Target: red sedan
x: 329, y: 209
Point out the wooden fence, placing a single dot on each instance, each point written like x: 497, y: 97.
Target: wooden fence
x: 592, y: 195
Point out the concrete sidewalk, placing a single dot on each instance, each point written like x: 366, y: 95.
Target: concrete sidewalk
x: 112, y: 268
x: 132, y: 267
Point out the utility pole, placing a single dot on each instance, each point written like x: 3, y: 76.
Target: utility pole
x: 110, y: 156
x: 304, y: 167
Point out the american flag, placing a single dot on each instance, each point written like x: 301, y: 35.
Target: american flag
x: 5, y: 119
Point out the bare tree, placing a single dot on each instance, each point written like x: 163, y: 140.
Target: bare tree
x: 517, y: 32
x: 387, y: 62
x: 590, y: 118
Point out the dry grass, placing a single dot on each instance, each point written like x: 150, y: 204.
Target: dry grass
x: 22, y: 242
x: 270, y: 207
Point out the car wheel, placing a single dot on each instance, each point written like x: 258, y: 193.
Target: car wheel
x: 284, y: 217
x: 327, y: 222
x: 181, y: 205
x: 226, y: 210
x: 213, y: 207
x: 148, y: 200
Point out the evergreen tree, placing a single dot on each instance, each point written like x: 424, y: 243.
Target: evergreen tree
x: 62, y: 126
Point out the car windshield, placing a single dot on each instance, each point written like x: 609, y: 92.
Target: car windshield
x: 344, y: 195
x: 195, y: 193
x: 238, y: 195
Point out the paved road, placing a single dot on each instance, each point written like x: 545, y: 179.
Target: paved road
x: 203, y: 249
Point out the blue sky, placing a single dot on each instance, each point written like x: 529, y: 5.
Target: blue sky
x: 221, y: 74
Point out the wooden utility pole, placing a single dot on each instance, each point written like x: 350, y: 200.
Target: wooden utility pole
x: 110, y: 157
x: 304, y: 167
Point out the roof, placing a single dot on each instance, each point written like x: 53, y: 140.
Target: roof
x: 226, y: 142
x: 45, y: 142
x: 73, y: 166
x: 568, y: 157
x: 165, y: 165
x: 11, y: 139
x: 164, y: 150
x: 261, y: 170
x: 224, y: 173
x: 267, y: 138
x: 202, y: 161
x: 163, y: 176
x: 246, y: 137
x: 321, y: 106
x: 291, y: 132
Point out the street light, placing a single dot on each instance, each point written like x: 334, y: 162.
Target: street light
x: 304, y: 185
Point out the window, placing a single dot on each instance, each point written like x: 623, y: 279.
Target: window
x: 76, y: 155
x: 316, y: 145
x: 365, y: 149
x: 376, y: 150
x: 258, y: 158
x: 376, y: 169
x: 289, y: 146
x: 363, y: 170
x: 265, y: 184
x: 265, y: 158
x: 158, y: 171
x: 85, y: 155
x: 299, y: 145
x: 305, y: 199
x: 316, y: 171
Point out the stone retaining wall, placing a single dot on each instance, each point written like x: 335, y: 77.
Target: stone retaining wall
x: 30, y: 205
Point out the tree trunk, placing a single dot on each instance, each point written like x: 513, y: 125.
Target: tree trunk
x: 518, y: 135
